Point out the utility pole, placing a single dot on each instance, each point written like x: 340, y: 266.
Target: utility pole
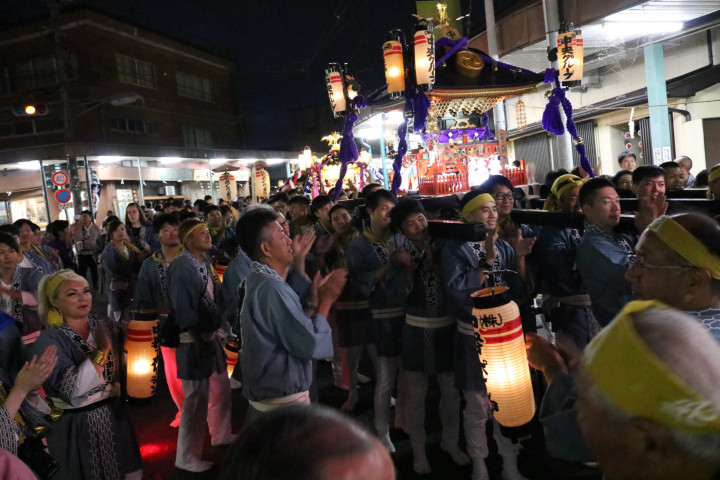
x: 552, y: 27
x: 61, y: 60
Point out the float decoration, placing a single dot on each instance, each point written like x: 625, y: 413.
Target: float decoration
x: 552, y: 120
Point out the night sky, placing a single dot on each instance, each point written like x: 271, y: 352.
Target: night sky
x: 281, y: 48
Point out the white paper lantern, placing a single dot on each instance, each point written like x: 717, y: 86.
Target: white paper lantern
x: 501, y: 348
x: 394, y: 66
x: 141, y: 345
x: 424, y: 44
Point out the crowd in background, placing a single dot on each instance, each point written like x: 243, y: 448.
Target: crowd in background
x: 308, y: 280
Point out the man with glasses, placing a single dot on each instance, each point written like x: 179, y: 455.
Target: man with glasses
x: 677, y: 261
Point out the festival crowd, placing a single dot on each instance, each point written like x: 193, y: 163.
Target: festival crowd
x: 630, y: 373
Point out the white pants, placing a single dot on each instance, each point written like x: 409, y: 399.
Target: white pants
x: 416, y: 385
x: 209, y: 399
x: 476, y: 414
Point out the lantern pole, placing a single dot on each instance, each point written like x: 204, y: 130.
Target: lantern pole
x: 552, y: 27
x: 382, y: 151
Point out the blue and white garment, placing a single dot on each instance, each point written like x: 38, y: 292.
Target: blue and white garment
x: 710, y: 319
x: 279, y: 340
x: 94, y: 438
x: 603, y: 259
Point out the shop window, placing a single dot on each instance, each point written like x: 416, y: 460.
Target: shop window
x: 192, y: 86
x: 136, y: 72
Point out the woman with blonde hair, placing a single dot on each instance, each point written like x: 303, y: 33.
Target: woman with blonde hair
x: 94, y: 439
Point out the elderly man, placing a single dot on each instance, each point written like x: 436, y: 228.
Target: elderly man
x: 280, y: 337
x: 307, y: 443
x: 659, y: 415
x: 677, y: 261
x: 685, y: 165
x: 85, y: 239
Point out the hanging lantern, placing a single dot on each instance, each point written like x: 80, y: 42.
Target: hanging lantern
x: 394, y: 65
x: 231, y: 350
x: 336, y: 89
x: 501, y: 348
x: 424, y: 56
x: 141, y: 345
x: 570, y: 56
x: 261, y: 185
x: 229, y: 190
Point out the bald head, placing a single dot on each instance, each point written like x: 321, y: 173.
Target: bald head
x: 684, y: 162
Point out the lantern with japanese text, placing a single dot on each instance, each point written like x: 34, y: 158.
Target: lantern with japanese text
x: 394, y: 64
x: 570, y: 56
x: 261, y: 184
x: 141, y: 345
x: 501, y: 348
x: 424, y: 44
x: 335, y: 83
x: 228, y: 186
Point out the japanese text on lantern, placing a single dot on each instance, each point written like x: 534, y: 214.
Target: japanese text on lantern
x: 570, y: 52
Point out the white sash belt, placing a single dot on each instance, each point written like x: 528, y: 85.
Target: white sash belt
x: 428, y: 322
x: 465, y: 328
x: 268, y: 404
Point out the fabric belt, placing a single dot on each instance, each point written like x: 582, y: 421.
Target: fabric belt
x: 387, y: 312
x: 272, y: 403
x: 359, y: 305
x: 428, y: 322
x: 465, y: 328
x: 91, y: 406
x: 574, y: 300
x: 186, y: 337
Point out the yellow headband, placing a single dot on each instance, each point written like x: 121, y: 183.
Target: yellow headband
x: 477, y: 202
x: 633, y: 379
x: 52, y: 284
x: 714, y: 174
x: 564, y: 183
x: 685, y: 244
x: 192, y: 229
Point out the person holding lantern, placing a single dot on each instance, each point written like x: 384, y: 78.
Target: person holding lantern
x: 427, y: 337
x: 151, y: 293
x: 378, y: 264
x: 467, y: 268
x: 94, y: 438
x: 565, y: 300
x: 196, y: 307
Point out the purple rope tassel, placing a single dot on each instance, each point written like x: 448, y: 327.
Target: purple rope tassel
x: 397, y: 163
x: 348, y: 152
x: 551, y: 119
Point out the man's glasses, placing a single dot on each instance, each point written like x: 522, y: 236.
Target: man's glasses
x: 636, y: 262
x: 500, y: 197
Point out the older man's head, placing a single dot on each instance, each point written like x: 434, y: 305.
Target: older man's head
x: 649, y: 397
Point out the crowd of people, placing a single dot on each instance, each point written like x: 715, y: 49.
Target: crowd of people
x: 308, y: 280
